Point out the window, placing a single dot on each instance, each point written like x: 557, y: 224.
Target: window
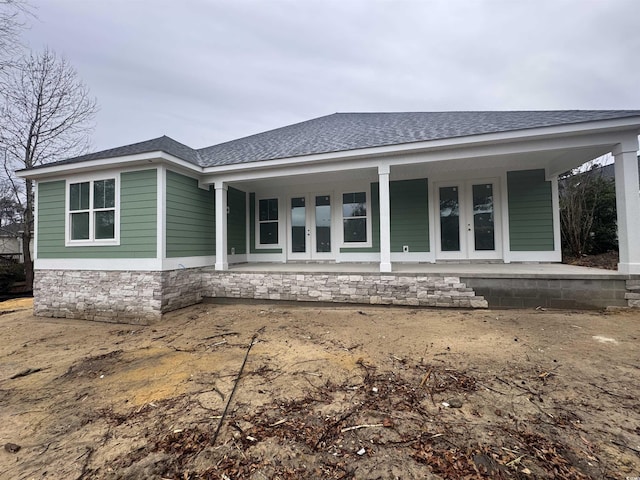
x: 268, y: 221
x: 92, y: 211
x: 354, y: 217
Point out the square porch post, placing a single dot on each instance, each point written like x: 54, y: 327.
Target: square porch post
x: 221, y: 226
x: 628, y: 205
x: 385, y: 219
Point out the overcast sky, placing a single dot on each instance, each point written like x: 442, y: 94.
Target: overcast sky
x: 207, y: 71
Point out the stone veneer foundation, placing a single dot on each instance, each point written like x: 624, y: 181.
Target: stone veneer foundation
x: 120, y: 296
x: 374, y: 289
x: 142, y: 297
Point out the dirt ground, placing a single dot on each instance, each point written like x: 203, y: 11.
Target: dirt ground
x: 331, y: 393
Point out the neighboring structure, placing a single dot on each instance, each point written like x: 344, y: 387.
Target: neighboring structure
x: 11, y: 242
x: 145, y: 228
x: 609, y: 172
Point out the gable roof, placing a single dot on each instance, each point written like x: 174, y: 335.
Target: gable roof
x: 350, y: 131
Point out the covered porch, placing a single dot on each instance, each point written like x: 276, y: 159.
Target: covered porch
x: 471, y: 285
x: 395, y: 210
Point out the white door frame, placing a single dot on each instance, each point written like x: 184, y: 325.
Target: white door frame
x: 310, y: 228
x: 466, y: 219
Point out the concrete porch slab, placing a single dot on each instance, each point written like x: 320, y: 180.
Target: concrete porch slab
x: 484, y: 270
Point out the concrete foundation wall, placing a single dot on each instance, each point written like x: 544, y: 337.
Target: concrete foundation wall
x: 551, y: 293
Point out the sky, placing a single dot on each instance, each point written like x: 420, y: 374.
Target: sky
x: 207, y: 71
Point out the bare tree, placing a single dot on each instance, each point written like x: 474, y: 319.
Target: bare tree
x: 47, y: 116
x: 581, y: 192
x: 12, y: 13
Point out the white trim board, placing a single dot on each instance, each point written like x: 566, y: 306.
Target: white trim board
x: 123, y: 264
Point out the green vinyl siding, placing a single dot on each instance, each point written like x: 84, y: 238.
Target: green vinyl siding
x: 374, y: 205
x: 409, y: 209
x: 530, y: 211
x: 252, y: 229
x: 138, y: 214
x: 190, y: 217
x: 237, y: 221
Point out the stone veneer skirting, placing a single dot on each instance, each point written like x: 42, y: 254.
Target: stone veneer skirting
x: 119, y: 296
x: 142, y: 297
x: 374, y: 289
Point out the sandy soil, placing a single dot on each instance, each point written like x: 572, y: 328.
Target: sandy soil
x: 333, y: 393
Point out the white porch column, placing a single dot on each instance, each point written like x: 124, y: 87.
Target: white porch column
x: 221, y: 226
x: 385, y: 219
x: 628, y: 205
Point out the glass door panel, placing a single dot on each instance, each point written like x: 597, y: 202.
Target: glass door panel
x: 323, y: 223
x: 298, y: 225
x: 483, y: 217
x: 449, y: 219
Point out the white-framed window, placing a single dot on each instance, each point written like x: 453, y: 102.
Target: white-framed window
x: 356, y: 218
x: 268, y: 231
x: 93, y: 215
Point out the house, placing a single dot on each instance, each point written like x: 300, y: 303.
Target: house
x: 347, y: 207
x: 11, y: 242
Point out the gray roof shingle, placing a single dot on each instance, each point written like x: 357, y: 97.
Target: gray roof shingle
x: 164, y: 144
x: 350, y: 131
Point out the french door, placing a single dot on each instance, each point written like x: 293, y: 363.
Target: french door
x: 310, y: 232
x: 467, y: 225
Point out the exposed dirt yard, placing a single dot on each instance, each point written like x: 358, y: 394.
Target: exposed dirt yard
x: 348, y: 392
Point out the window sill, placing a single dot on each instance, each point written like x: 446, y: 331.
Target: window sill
x: 92, y: 243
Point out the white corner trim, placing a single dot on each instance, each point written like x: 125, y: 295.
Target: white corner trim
x: 161, y: 212
x: 555, y: 210
x: 35, y: 221
x: 504, y: 214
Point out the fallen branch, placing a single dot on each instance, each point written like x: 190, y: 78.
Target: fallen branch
x: 332, y: 426
x: 235, y: 386
x: 604, y: 390
x: 26, y: 372
x: 85, y: 467
x: 358, y: 427
x: 515, y: 460
x: 625, y: 446
x: 489, y: 388
x: 220, y: 335
x: 425, y: 379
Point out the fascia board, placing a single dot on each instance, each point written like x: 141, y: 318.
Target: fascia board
x: 113, y: 162
x: 631, y: 124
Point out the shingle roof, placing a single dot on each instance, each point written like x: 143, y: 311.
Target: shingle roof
x: 164, y: 144
x: 350, y: 131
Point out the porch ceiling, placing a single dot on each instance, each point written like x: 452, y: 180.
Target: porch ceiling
x: 420, y: 165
